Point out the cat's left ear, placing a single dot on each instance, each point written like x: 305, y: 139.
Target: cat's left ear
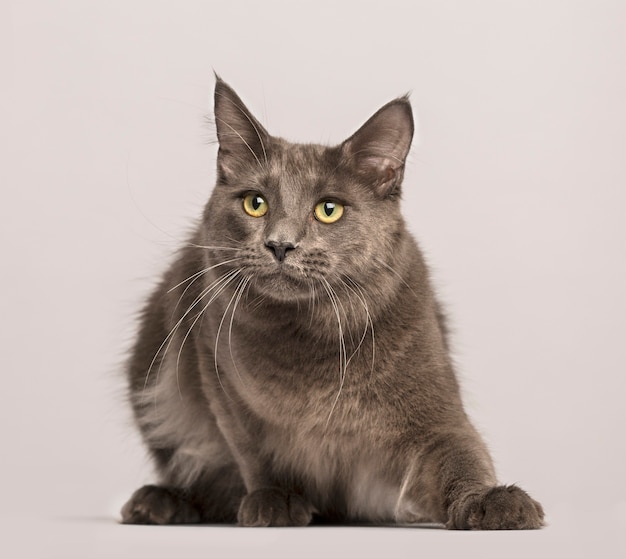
x: 242, y: 139
x: 378, y: 150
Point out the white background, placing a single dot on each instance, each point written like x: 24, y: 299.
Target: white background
x: 516, y: 190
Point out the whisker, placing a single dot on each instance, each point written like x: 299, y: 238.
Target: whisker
x: 342, y: 346
x: 368, y: 323
x: 237, y: 242
x: 312, y: 297
x: 219, y: 286
x: 256, y: 302
x: 347, y: 287
x: 200, y: 314
x: 242, y: 288
x: 170, y: 336
x: 195, y: 276
x: 219, y: 330
x: 210, y: 247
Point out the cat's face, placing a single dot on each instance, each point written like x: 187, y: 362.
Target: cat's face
x: 295, y: 216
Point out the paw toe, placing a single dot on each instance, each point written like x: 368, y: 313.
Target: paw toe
x: 152, y: 504
x: 506, y: 508
x: 272, y: 507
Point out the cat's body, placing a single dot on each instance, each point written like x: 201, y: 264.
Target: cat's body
x: 300, y: 366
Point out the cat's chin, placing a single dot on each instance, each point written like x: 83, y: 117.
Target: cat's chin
x: 284, y: 287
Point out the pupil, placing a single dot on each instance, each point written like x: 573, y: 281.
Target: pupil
x: 329, y: 208
x: 256, y: 203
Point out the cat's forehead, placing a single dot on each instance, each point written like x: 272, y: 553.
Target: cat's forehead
x: 298, y: 171
x: 299, y: 162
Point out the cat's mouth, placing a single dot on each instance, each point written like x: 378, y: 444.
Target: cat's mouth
x: 284, y: 282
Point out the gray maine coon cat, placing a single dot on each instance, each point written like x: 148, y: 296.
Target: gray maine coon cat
x: 292, y: 364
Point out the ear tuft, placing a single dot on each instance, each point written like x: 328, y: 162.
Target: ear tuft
x: 378, y: 150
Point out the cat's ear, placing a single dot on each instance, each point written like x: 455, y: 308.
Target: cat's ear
x: 242, y: 139
x: 378, y: 150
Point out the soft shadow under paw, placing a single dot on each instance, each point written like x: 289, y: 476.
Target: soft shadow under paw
x: 273, y: 507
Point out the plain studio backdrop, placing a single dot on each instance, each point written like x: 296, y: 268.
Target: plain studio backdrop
x: 515, y: 188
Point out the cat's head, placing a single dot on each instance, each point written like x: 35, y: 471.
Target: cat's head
x: 296, y: 214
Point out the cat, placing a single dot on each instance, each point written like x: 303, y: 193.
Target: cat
x: 293, y: 363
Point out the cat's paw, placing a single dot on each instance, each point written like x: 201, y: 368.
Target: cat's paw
x: 273, y: 507
x: 503, y: 508
x: 152, y: 504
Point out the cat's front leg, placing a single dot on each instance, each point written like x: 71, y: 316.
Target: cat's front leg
x: 267, y: 502
x: 455, y: 484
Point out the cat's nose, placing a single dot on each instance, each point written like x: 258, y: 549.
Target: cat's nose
x: 279, y: 249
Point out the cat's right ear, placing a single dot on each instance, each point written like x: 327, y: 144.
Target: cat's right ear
x: 242, y: 138
x: 378, y: 150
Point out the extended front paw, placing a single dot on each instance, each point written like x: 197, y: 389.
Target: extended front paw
x: 274, y: 507
x: 500, y: 508
x: 152, y: 504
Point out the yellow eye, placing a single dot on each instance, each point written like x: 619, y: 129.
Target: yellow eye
x: 255, y: 205
x: 328, y: 211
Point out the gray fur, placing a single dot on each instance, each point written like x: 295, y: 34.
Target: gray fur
x: 321, y: 386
